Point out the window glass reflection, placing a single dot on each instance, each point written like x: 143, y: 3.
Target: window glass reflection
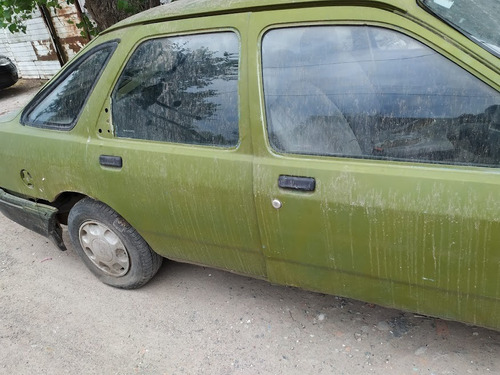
x: 374, y: 93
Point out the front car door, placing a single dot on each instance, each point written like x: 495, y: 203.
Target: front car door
x: 377, y: 177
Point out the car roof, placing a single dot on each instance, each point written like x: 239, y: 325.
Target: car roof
x: 196, y: 8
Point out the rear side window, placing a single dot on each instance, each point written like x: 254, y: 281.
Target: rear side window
x: 180, y: 89
x: 59, y: 106
x: 370, y: 92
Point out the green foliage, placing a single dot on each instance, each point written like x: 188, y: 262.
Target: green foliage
x: 14, y: 13
x: 130, y: 6
x: 126, y: 6
x: 86, y: 27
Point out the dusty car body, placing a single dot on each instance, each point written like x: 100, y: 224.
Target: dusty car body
x: 350, y: 148
x: 8, y: 72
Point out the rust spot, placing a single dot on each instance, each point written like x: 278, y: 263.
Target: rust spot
x: 65, y: 20
x: 44, y: 50
x: 73, y: 44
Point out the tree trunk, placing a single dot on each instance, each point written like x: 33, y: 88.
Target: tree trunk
x: 106, y: 13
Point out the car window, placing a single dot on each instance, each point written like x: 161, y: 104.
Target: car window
x: 370, y: 92
x: 60, y: 105
x: 476, y: 19
x: 180, y: 89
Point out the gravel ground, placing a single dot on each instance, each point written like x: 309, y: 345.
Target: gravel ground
x: 56, y: 318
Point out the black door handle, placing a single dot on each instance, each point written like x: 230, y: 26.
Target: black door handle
x: 297, y: 183
x: 111, y: 161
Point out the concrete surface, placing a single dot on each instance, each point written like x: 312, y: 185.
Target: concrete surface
x: 56, y: 318
x: 17, y: 96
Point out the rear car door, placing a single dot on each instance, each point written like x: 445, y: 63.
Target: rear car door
x: 171, y: 147
x: 377, y: 174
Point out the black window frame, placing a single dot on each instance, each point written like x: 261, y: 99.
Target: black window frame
x: 42, y: 95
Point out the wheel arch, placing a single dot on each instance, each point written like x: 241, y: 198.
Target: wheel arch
x: 64, y: 202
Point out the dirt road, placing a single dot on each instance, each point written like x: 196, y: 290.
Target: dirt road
x: 16, y: 96
x: 56, y: 318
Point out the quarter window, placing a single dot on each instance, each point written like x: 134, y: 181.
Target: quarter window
x: 369, y: 92
x: 180, y: 89
x: 60, y: 108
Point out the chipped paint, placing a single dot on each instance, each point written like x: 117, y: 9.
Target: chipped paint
x: 44, y: 50
x: 35, y: 52
x: 69, y: 36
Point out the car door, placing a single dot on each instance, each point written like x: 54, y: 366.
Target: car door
x: 377, y: 177
x: 172, y: 153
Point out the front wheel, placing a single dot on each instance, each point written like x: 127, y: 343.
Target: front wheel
x: 110, y: 247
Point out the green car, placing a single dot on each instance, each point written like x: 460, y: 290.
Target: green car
x: 345, y: 147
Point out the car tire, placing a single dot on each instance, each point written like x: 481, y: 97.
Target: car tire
x: 110, y: 247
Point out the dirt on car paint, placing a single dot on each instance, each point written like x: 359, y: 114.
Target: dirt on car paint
x: 57, y: 318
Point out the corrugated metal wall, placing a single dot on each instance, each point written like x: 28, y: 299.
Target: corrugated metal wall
x: 69, y: 36
x: 35, y: 52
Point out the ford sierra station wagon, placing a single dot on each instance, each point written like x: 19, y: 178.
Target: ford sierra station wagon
x: 345, y: 147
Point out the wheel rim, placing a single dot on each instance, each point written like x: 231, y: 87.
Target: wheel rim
x: 103, y: 247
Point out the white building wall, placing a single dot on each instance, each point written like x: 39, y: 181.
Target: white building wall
x: 33, y: 52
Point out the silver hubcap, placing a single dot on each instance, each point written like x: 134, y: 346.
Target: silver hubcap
x: 104, y: 248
